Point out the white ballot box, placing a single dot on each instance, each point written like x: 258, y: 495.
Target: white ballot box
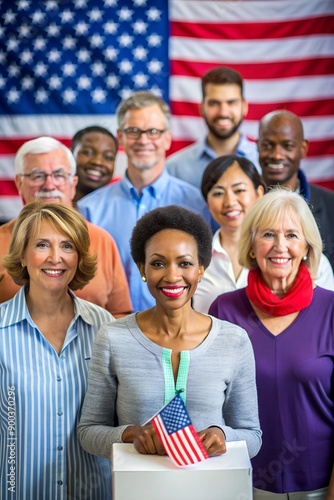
x: 151, y: 477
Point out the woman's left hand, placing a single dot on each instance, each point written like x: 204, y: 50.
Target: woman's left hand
x: 213, y: 440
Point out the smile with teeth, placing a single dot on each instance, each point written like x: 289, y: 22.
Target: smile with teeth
x: 222, y: 119
x: 232, y: 213
x: 94, y: 173
x: 276, y: 166
x: 53, y: 272
x: 278, y: 260
x: 173, y: 291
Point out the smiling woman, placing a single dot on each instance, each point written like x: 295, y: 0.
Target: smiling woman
x: 50, y: 233
x: 230, y: 186
x: 289, y: 321
x: 46, y: 335
x: 140, y: 362
x: 94, y: 149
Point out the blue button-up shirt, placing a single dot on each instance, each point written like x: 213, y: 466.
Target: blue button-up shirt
x: 189, y: 163
x: 117, y: 207
x: 41, y: 394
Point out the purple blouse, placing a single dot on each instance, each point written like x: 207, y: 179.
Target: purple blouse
x: 295, y: 381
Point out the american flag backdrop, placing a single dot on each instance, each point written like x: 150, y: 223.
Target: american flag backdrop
x: 67, y: 64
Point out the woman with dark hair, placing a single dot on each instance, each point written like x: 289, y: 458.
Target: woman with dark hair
x: 230, y: 186
x: 140, y: 362
x: 95, y: 149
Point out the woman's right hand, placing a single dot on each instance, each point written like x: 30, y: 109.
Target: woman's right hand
x: 144, y: 439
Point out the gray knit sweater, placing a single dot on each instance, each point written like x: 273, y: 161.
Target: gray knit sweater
x: 127, y: 385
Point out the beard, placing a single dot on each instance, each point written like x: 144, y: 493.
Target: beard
x: 142, y: 164
x: 223, y: 134
x: 286, y: 178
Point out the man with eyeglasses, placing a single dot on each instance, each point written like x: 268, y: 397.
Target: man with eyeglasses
x: 46, y: 169
x: 144, y: 133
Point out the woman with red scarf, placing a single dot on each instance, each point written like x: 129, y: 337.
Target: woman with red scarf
x: 290, y: 322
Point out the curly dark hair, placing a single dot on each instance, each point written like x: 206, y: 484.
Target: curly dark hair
x: 171, y: 217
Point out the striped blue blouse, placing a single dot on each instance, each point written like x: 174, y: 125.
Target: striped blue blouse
x: 41, y: 395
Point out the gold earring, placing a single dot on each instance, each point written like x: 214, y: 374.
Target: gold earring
x: 143, y: 278
x: 252, y: 254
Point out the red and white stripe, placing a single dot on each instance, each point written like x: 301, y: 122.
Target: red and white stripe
x: 184, y: 446
x: 283, y: 49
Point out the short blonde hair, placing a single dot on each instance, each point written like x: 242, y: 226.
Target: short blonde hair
x: 269, y: 211
x: 62, y: 218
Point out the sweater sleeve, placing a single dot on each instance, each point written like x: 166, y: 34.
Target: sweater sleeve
x: 98, y: 430
x: 241, y: 405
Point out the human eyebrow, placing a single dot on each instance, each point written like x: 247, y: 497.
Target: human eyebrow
x: 185, y: 256
x: 179, y: 257
x: 41, y: 240
x: 60, y: 170
x: 213, y: 101
x: 239, y: 184
x: 265, y: 230
x: 236, y: 184
x: 156, y: 255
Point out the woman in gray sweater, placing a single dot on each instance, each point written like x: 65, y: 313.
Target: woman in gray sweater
x: 139, y: 362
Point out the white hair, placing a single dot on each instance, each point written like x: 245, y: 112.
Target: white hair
x: 41, y: 145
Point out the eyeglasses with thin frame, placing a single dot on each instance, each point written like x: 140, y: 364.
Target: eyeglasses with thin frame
x: 38, y: 177
x: 136, y: 133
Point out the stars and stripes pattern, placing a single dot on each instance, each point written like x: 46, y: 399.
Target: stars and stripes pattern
x: 285, y: 52
x: 178, y: 435
x: 66, y: 65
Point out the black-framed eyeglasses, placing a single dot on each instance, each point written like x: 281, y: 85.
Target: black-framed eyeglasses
x: 38, y: 177
x: 136, y: 133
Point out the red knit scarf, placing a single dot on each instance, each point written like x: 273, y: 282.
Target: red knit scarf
x: 297, y: 298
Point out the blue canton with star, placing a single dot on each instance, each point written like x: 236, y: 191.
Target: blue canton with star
x: 175, y: 416
x: 80, y: 56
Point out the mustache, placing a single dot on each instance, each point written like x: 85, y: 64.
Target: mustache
x: 49, y: 194
x: 222, y: 118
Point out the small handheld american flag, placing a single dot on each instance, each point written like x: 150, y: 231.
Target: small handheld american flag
x: 177, y: 434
